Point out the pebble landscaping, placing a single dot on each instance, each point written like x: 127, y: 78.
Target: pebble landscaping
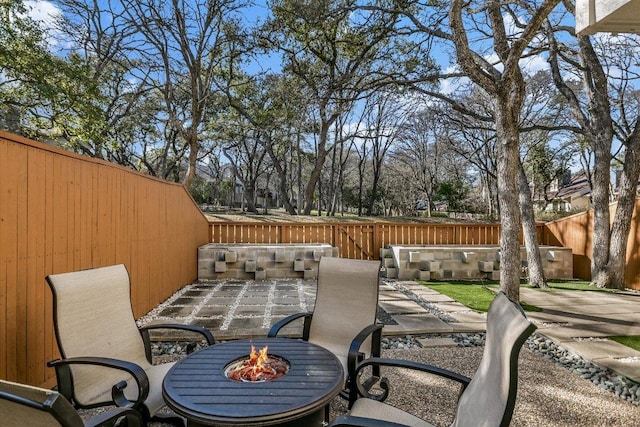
x: 621, y: 386
x: 605, y: 378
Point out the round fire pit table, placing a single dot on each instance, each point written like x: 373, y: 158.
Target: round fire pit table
x: 197, y: 388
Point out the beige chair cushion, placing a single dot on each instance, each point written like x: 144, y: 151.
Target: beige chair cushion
x: 94, y: 317
x: 15, y: 414
x: 485, y: 400
x: 346, y: 303
x: 368, y: 408
x: 488, y: 392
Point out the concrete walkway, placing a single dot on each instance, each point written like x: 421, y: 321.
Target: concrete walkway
x: 577, y: 321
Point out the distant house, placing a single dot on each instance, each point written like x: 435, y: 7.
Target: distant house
x: 570, y: 192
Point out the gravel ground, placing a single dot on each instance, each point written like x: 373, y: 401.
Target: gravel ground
x: 548, y: 394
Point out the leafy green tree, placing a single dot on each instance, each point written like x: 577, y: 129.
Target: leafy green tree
x: 192, y: 48
x: 339, y: 52
x: 46, y: 95
x: 454, y: 193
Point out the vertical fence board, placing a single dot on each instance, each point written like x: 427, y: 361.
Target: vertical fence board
x: 34, y: 238
x: 632, y: 272
x: 8, y: 248
x: 4, y: 255
x: 22, y: 327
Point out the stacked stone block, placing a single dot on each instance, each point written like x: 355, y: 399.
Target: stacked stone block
x: 467, y: 262
x: 260, y: 262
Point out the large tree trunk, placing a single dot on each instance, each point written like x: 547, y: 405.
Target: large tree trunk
x: 250, y: 198
x: 507, y: 89
x: 282, y: 175
x: 193, y: 158
x: 534, y: 262
x: 624, y: 213
x: 310, y: 189
x: 508, y: 159
x: 601, y: 216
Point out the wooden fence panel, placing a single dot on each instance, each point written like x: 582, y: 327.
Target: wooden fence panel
x: 358, y: 240
x: 576, y: 232
x: 355, y: 241
x: 632, y: 271
x: 63, y: 212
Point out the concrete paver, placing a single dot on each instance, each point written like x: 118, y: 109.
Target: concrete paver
x: 419, y: 324
x: 391, y: 296
x: 469, y: 317
x: 629, y: 369
x: 594, y: 350
x: 437, y: 342
x: 401, y: 307
x: 451, y: 307
x: 474, y: 327
x: 431, y: 297
x: 244, y: 309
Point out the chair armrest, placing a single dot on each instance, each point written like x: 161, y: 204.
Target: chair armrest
x: 144, y: 332
x: 65, y: 384
x: 355, y: 356
x: 351, y: 421
x: 107, y: 419
x: 275, y: 329
x: 406, y: 364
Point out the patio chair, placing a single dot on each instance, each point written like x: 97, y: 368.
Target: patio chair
x: 106, y: 358
x: 344, y: 317
x: 27, y: 406
x: 486, y: 400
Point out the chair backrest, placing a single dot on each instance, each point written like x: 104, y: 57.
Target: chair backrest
x: 23, y: 405
x: 346, y: 302
x: 490, y: 397
x: 93, y: 316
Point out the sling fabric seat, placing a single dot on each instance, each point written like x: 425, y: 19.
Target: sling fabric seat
x: 106, y: 358
x: 344, y: 317
x: 27, y: 406
x: 487, y: 400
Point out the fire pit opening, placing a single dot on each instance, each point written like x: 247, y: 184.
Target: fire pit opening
x: 257, y: 367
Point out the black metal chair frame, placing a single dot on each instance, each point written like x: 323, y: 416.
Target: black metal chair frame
x: 60, y: 409
x: 362, y: 390
x: 65, y: 378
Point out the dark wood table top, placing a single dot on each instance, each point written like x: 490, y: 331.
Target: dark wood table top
x: 197, y: 388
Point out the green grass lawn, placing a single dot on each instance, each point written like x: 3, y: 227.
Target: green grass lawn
x: 478, y: 296
x: 631, y: 341
x: 475, y: 296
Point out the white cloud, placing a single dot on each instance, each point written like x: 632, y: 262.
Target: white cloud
x: 43, y: 12
x: 451, y: 85
x: 533, y: 64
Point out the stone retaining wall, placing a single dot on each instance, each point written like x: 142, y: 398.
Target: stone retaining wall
x: 466, y: 262
x: 259, y: 262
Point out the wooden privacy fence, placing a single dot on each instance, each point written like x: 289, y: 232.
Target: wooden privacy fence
x: 363, y: 240
x: 358, y: 240
x: 63, y: 212
x: 576, y: 232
